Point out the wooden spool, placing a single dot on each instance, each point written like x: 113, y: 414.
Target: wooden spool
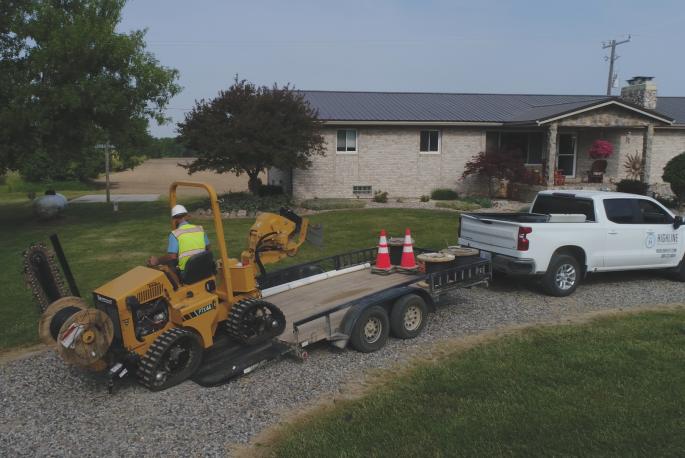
x: 59, y: 310
x: 95, y: 336
x: 435, y: 257
x: 458, y: 251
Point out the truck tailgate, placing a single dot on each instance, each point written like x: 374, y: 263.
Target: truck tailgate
x: 489, y: 232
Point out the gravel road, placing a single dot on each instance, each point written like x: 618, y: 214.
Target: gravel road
x: 51, y: 410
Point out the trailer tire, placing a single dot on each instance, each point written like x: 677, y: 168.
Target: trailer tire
x: 562, y: 276
x: 371, y: 330
x: 408, y: 316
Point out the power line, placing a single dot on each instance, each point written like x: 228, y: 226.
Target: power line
x: 612, y: 44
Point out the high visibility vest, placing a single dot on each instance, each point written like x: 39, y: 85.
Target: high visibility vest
x: 191, y: 240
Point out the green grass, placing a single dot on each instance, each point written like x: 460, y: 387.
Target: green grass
x: 457, y: 205
x: 614, y: 387
x: 13, y: 189
x: 332, y: 204
x: 101, y: 245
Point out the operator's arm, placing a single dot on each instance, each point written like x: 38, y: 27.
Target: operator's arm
x: 172, y: 253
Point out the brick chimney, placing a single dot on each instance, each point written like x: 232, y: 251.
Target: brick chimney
x: 641, y: 90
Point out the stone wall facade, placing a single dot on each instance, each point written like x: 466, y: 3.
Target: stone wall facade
x: 388, y: 159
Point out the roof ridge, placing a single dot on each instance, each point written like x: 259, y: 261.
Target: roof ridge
x: 573, y: 102
x: 449, y: 93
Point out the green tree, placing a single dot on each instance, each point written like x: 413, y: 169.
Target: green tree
x: 250, y: 128
x: 79, y: 82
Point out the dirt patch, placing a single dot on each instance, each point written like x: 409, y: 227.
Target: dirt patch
x: 21, y: 353
x: 260, y: 446
x: 155, y: 175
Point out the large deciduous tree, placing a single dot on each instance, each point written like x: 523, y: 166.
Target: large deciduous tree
x: 250, y: 128
x: 75, y: 82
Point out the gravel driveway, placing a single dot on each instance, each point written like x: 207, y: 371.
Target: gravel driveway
x: 48, y: 409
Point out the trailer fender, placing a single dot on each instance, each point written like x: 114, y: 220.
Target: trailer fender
x: 385, y: 299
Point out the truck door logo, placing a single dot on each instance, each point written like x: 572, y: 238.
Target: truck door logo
x: 650, y: 241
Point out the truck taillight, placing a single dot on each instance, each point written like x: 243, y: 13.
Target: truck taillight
x: 523, y: 242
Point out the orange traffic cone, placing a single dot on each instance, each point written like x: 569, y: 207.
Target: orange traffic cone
x: 383, y: 265
x: 408, y: 263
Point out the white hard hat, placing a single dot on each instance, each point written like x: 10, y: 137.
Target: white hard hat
x: 178, y: 210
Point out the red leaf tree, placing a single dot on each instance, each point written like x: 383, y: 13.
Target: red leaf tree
x: 503, y: 165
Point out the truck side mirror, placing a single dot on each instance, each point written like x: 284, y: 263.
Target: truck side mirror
x: 677, y: 222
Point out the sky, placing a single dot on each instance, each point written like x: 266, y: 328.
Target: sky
x: 526, y: 46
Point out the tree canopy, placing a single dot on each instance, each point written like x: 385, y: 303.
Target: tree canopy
x: 250, y: 128
x: 69, y: 81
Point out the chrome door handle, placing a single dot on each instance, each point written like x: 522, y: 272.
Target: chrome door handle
x: 613, y: 232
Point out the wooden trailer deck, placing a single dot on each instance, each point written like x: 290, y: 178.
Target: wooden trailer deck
x: 308, y: 300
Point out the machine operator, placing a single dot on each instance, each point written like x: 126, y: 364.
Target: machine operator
x: 184, y: 241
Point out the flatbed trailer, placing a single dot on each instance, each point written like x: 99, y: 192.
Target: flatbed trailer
x: 338, y: 299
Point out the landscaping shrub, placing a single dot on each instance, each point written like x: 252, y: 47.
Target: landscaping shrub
x: 632, y: 187
x: 425, y: 198
x: 234, y: 201
x: 481, y: 201
x: 332, y: 204
x: 380, y: 196
x: 674, y: 174
x: 270, y: 190
x: 457, y: 205
x: 444, y: 194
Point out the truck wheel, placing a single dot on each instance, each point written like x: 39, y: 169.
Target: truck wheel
x: 679, y: 273
x: 370, y: 332
x: 562, y: 276
x: 172, y: 358
x: 408, y: 316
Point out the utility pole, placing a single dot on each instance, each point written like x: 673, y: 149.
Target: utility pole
x: 612, y: 44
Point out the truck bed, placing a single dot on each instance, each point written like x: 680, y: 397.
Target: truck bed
x: 308, y: 300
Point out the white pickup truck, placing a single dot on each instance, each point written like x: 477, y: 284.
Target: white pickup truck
x: 568, y: 234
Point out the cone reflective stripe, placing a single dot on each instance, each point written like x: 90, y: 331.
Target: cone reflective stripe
x: 408, y: 260
x: 383, y: 256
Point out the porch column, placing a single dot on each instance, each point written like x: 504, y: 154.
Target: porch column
x: 551, y: 153
x: 647, y: 141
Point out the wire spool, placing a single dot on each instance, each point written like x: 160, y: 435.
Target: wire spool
x: 435, y: 257
x: 432, y: 262
x: 85, y: 338
x: 458, y: 251
x: 56, y: 314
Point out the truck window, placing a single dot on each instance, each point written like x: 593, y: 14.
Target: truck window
x: 549, y: 203
x: 651, y: 213
x: 621, y: 211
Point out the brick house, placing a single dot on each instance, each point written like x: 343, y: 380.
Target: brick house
x: 411, y: 143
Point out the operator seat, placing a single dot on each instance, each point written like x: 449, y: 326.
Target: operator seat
x: 198, y: 267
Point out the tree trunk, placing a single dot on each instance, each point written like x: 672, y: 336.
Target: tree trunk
x: 254, y: 182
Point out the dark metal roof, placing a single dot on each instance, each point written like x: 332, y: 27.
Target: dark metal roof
x: 451, y: 107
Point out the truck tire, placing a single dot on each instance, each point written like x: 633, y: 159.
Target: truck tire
x: 172, y: 358
x: 679, y: 274
x: 408, y: 316
x: 370, y: 332
x: 562, y: 276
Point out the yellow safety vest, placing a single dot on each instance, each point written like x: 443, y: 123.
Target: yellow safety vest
x: 191, y: 240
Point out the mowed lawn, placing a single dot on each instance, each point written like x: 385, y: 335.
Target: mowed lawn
x: 614, y: 387
x: 101, y: 244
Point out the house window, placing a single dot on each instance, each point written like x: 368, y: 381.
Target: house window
x: 430, y: 141
x: 361, y: 190
x: 347, y: 141
x: 526, y: 145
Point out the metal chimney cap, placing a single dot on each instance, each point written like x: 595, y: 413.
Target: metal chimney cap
x: 639, y: 80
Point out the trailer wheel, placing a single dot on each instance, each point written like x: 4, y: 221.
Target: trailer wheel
x: 408, y: 316
x: 370, y: 332
x: 171, y: 359
x: 562, y: 276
